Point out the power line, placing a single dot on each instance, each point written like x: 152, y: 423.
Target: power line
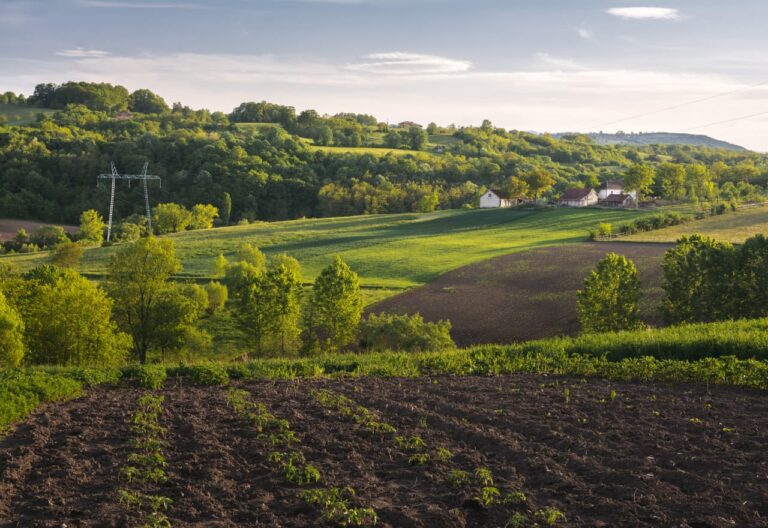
x: 726, y: 121
x: 681, y: 105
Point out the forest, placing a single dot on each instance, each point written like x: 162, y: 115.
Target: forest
x: 279, y: 170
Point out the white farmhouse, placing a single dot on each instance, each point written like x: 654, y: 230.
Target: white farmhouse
x: 612, y: 187
x: 496, y: 198
x: 578, y: 198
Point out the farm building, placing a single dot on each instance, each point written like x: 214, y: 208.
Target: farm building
x: 618, y: 200
x: 496, y: 198
x: 612, y: 187
x: 578, y: 198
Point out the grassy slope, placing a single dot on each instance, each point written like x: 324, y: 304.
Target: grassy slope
x: 20, y: 114
x: 733, y: 227
x: 389, y: 251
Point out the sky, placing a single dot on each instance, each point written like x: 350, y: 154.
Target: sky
x: 697, y: 66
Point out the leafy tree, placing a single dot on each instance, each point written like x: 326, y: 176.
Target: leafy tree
x: 698, y: 276
x: 517, y: 188
x: 203, y: 216
x: 417, y: 138
x: 282, y: 259
x: 170, y: 218
x: 11, y: 335
x: 432, y: 128
x: 217, y: 297
x: 178, y: 308
x: 407, y: 333
x: 92, y: 228
x: 609, y: 300
x: 253, y: 256
x: 220, y: 265
x: 197, y: 295
x: 67, y: 255
x: 137, y: 281
x: 639, y: 178
x: 699, y: 181
x: 750, y: 288
x: 239, y: 276
x: 69, y: 322
x: 671, y: 178
x: 49, y: 236
x: 538, y: 181
x: 226, y: 208
x: 256, y: 312
x: 285, y: 288
x: 335, y: 308
x: 147, y: 102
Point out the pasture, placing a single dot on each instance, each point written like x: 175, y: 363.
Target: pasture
x: 732, y: 227
x: 395, y: 251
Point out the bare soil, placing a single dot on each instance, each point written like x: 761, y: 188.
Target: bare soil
x: 524, y: 296
x: 9, y: 228
x: 603, y: 453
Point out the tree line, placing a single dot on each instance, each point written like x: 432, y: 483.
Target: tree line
x: 704, y: 281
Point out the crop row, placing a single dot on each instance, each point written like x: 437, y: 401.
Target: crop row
x: 276, y: 433
x: 144, y: 471
x: 479, y: 483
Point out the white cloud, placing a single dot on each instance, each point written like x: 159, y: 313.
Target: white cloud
x: 560, y: 63
x: 640, y: 13
x: 141, y: 5
x: 82, y: 53
x: 584, y: 33
x: 400, y: 63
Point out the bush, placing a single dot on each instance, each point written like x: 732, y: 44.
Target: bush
x: 206, y: 374
x: 22, y: 391
x: 217, y: 297
x: 407, y: 333
x: 609, y: 300
x: 146, y: 376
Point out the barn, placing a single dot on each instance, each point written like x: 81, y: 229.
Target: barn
x: 496, y: 198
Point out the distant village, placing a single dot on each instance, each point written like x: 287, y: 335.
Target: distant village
x: 610, y: 194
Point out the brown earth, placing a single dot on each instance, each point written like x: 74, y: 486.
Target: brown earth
x: 603, y: 453
x: 9, y: 228
x: 524, y: 296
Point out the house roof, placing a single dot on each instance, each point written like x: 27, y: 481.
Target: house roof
x: 575, y: 194
x: 613, y: 185
x: 617, y: 198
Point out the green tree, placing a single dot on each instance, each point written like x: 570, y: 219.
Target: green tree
x: 226, y: 208
x: 639, y: 178
x: 698, y: 276
x: 177, y: 308
x: 49, y: 236
x: 137, y: 280
x: 170, y: 218
x: 256, y: 312
x: 217, y: 297
x: 11, y: 335
x: 220, y: 265
x: 609, y: 300
x: 92, y: 228
x: 538, y: 181
x: 417, y: 137
x: 147, y: 102
x: 671, y: 179
x: 285, y: 288
x: 253, y: 256
x: 239, y: 276
x: 750, y: 288
x: 282, y: 259
x: 334, y: 310
x: 67, y: 255
x: 203, y: 216
x: 407, y: 333
x: 69, y: 322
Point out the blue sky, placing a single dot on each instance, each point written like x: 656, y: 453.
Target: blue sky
x: 544, y: 65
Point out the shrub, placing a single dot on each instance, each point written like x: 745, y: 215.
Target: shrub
x: 408, y: 333
x: 67, y: 254
x: 217, y: 297
x: 11, y: 334
x: 609, y: 300
x: 146, y: 376
x: 208, y: 374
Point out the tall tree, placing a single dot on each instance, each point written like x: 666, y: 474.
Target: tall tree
x: 671, y: 180
x: 639, y: 178
x: 170, y: 218
x: 137, y: 280
x: 285, y: 287
x: 750, y: 288
x: 335, y: 308
x: 226, y: 208
x: 92, y: 227
x: 11, y: 335
x: 538, y: 181
x: 609, y: 300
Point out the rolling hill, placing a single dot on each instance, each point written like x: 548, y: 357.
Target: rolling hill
x: 660, y: 138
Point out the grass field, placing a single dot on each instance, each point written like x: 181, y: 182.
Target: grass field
x: 20, y: 114
x: 388, y: 251
x: 732, y: 227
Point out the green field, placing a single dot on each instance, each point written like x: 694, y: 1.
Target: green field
x: 388, y: 251
x: 732, y: 227
x: 20, y: 114
x: 376, y: 151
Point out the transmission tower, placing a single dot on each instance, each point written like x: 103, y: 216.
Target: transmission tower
x: 114, y: 176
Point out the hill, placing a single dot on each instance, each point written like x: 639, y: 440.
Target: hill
x: 388, y: 251
x: 732, y: 227
x: 661, y: 138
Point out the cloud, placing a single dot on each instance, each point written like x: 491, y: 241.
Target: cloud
x: 400, y: 63
x: 584, y: 33
x: 82, y: 53
x: 642, y: 13
x: 560, y: 63
x: 141, y: 5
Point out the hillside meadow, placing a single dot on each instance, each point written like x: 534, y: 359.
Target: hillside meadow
x: 732, y: 227
x: 388, y: 251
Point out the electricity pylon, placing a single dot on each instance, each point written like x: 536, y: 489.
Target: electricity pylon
x: 114, y: 176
